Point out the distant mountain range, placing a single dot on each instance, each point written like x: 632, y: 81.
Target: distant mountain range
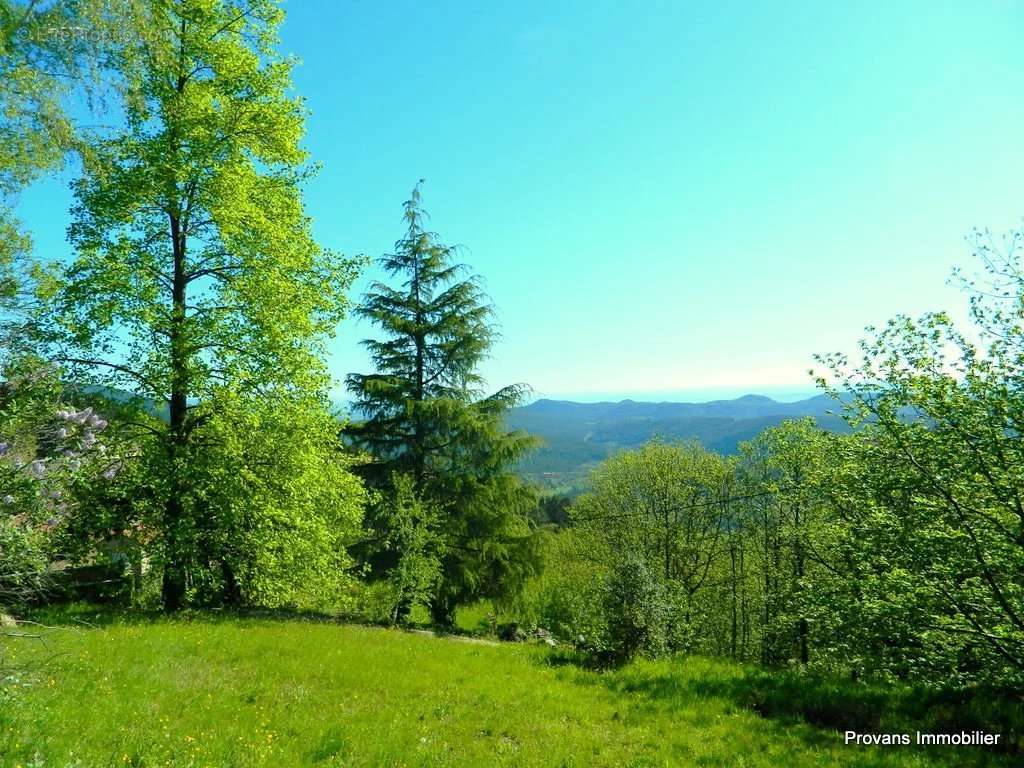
x: 577, y: 436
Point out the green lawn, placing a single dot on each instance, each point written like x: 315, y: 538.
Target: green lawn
x: 211, y: 691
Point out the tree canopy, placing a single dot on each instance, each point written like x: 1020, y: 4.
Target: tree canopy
x: 196, y: 280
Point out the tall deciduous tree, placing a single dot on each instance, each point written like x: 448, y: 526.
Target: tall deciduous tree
x: 781, y: 472
x: 941, y: 486
x: 424, y: 416
x: 196, y: 274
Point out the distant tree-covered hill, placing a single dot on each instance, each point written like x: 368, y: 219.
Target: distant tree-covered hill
x: 579, y: 435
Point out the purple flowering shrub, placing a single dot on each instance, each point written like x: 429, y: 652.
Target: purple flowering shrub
x: 45, y: 448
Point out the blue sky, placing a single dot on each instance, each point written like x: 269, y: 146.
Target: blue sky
x: 664, y: 199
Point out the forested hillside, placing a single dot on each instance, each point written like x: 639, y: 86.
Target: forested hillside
x: 577, y: 436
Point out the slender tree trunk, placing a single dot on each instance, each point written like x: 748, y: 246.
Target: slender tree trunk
x: 668, y: 545
x: 232, y: 589
x: 735, y: 597
x: 419, y: 436
x: 173, y: 592
x: 420, y: 341
x: 799, y: 569
x: 765, y: 632
x: 744, y: 604
x: 442, y: 612
x: 174, y: 577
x: 403, y: 609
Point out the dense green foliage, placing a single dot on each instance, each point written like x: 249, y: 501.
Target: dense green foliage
x: 894, y: 550
x: 940, y: 492
x: 655, y: 516
x: 196, y: 283
x: 40, y: 63
x: 422, y: 416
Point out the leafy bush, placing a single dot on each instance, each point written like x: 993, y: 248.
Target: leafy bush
x: 413, y: 543
x: 636, y: 611
x: 566, y: 598
x: 23, y: 560
x: 47, y: 448
x: 371, y: 602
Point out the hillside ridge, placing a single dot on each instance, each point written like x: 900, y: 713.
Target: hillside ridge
x: 577, y: 436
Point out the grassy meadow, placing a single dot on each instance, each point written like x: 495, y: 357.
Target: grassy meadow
x: 209, y: 690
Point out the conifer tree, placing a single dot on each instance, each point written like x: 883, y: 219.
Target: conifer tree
x: 425, y: 416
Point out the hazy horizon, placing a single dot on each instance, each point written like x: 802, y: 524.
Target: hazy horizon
x: 692, y: 395
x: 706, y: 395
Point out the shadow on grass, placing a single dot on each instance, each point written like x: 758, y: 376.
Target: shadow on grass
x: 567, y: 656
x: 88, y: 615
x: 91, y: 615
x: 834, y: 703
